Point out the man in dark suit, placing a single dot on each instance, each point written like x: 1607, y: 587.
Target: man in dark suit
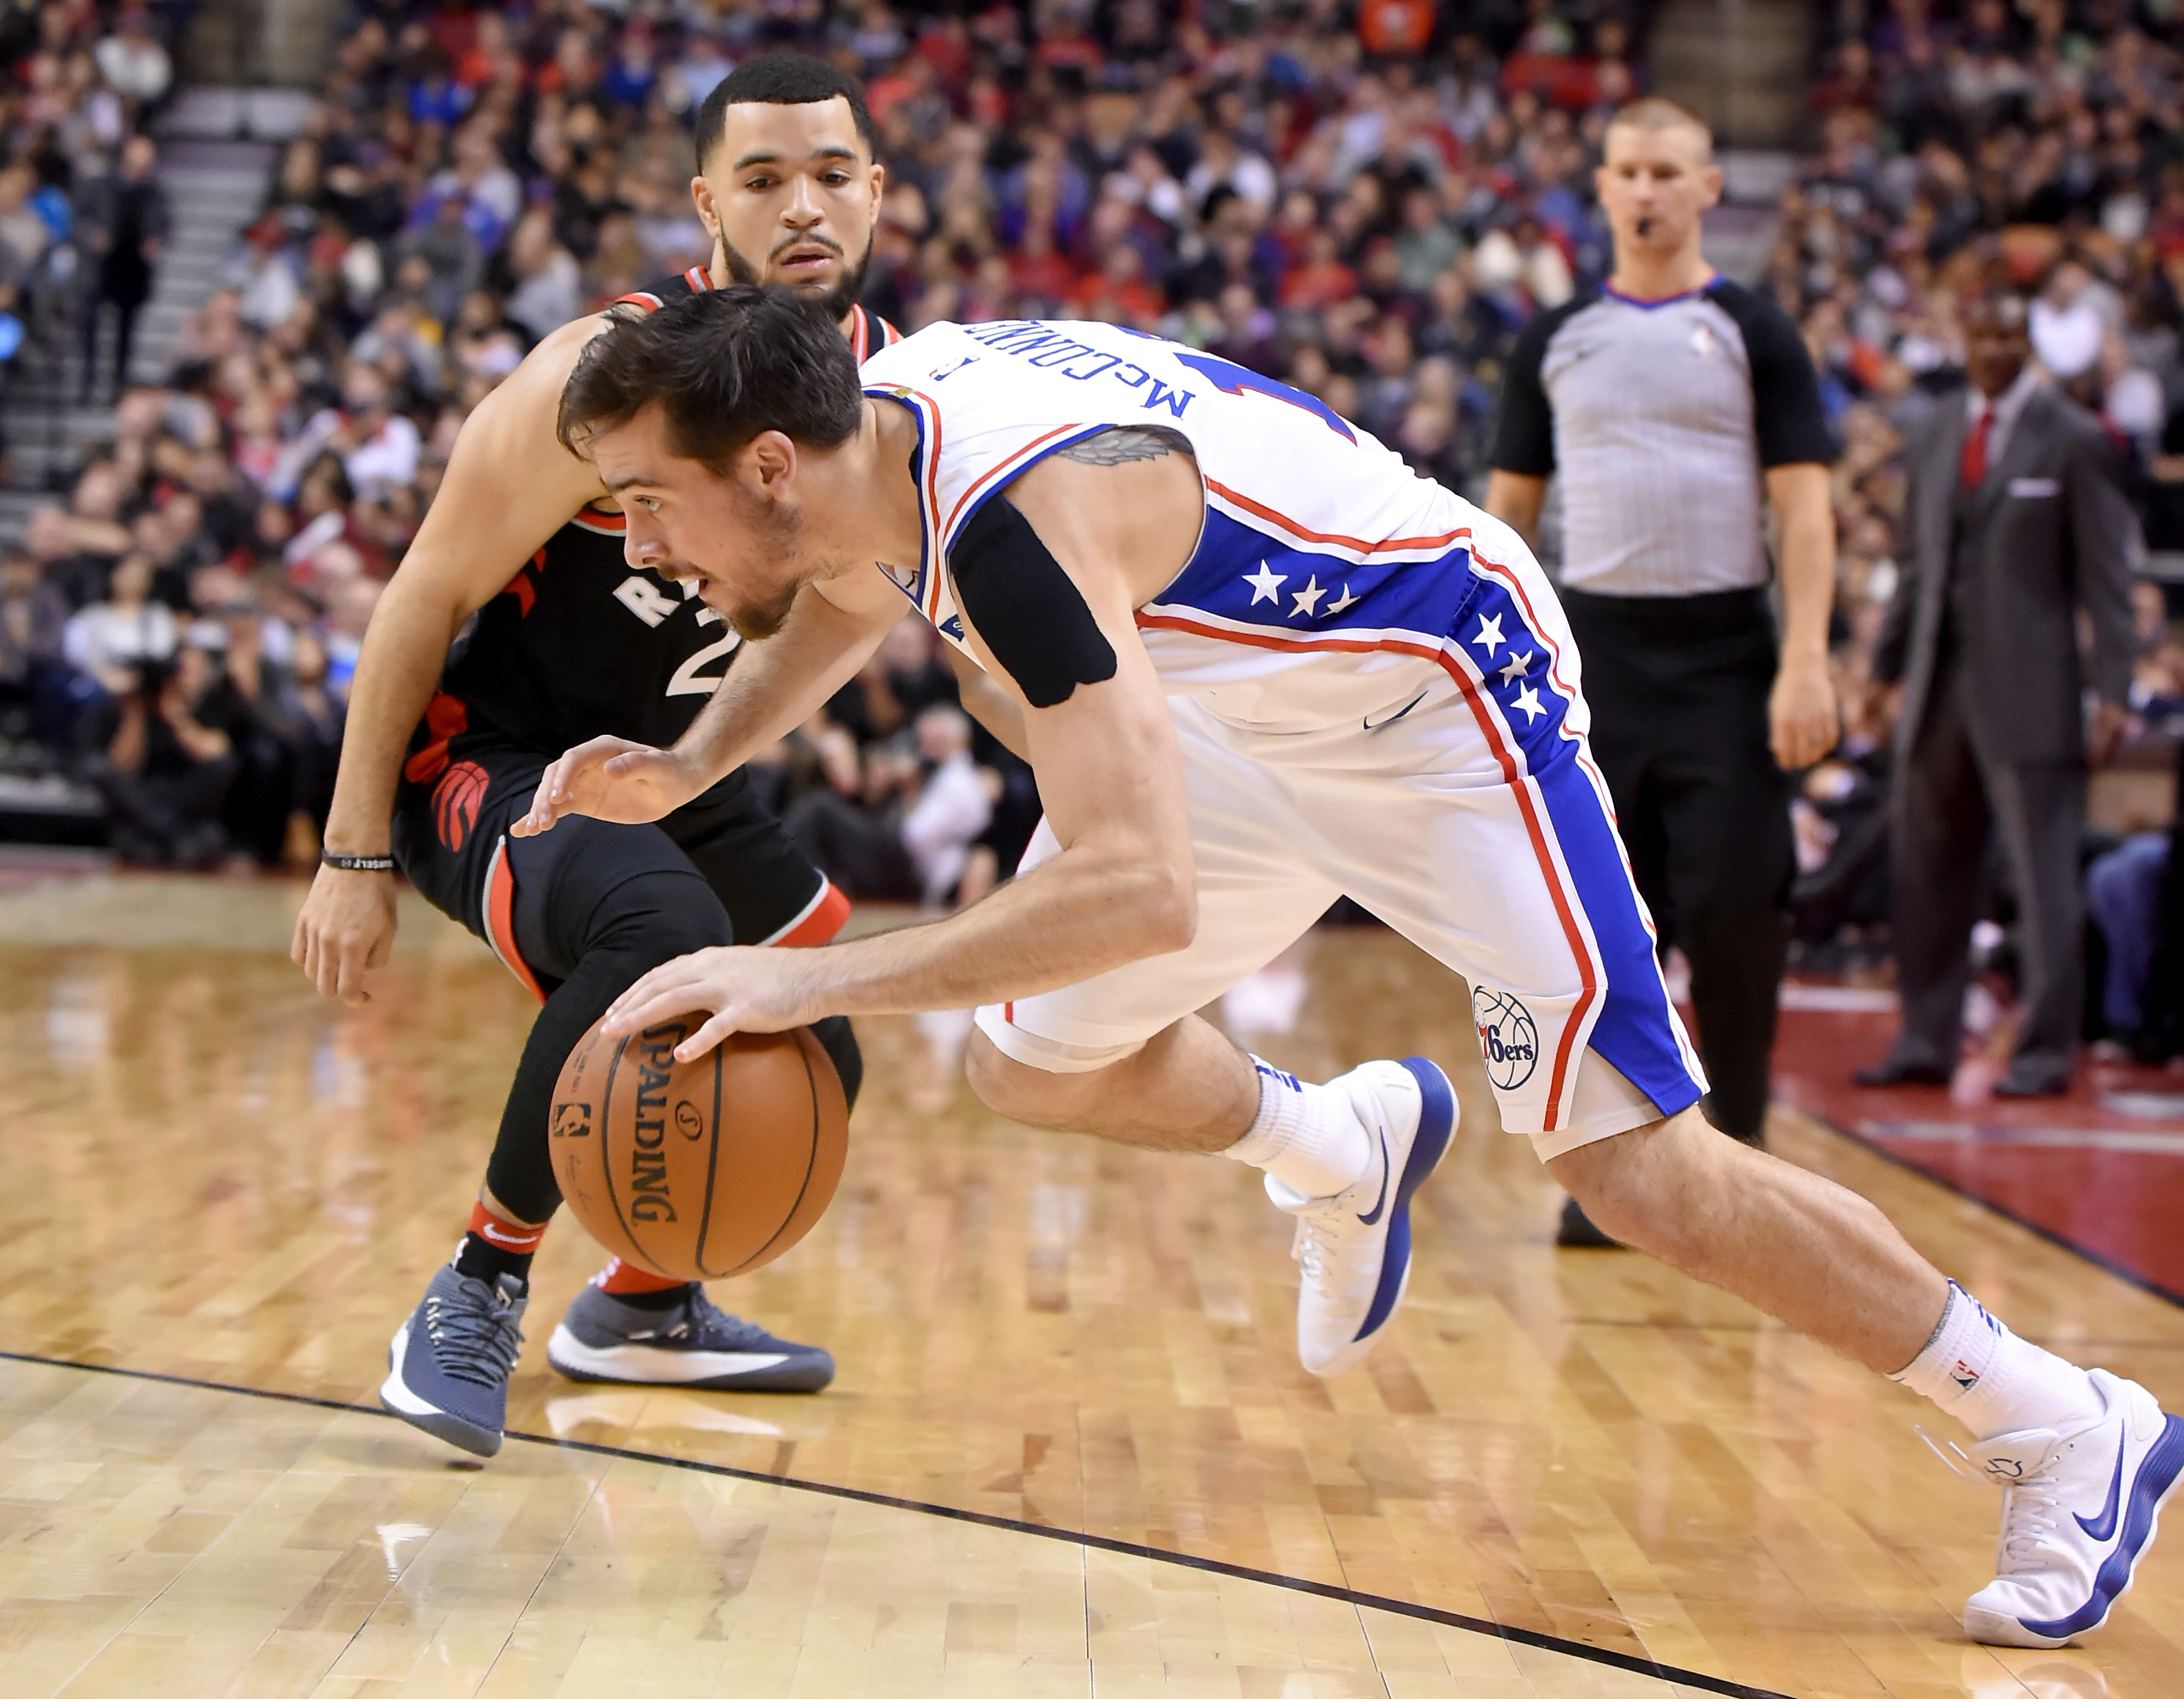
x: 2017, y: 525
x: 125, y: 219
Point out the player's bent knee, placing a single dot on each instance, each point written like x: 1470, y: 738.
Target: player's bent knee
x: 656, y: 916
x: 1006, y: 1086
x: 1648, y: 1187
x: 1025, y: 1091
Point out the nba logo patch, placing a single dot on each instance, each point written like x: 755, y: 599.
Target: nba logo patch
x: 1509, y: 1039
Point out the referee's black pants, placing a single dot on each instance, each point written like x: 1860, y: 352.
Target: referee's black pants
x: 1678, y: 688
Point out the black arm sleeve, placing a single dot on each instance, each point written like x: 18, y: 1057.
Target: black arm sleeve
x: 1524, y: 437
x: 1029, y: 610
x: 1790, y: 424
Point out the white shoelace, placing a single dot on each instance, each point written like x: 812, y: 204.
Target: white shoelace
x: 2031, y: 1509
x: 1307, y: 1250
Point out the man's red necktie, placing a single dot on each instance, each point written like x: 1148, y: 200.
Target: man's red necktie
x: 1971, y: 469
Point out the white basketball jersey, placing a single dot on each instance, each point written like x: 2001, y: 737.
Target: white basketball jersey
x: 1319, y: 542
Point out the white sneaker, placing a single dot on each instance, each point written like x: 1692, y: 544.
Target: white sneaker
x: 2078, y: 1512
x: 1355, y: 1247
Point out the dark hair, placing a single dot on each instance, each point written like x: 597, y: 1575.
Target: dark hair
x: 337, y: 482
x: 723, y: 366
x: 781, y: 79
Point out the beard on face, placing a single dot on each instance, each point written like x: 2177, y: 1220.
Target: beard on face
x: 779, y: 529
x: 847, y: 288
x: 754, y: 621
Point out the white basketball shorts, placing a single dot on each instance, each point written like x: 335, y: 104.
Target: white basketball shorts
x: 1519, y: 884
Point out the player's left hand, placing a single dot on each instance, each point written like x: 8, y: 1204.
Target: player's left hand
x: 1802, y: 723
x: 744, y: 990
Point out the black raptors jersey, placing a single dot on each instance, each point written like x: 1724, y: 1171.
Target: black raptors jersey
x: 581, y: 645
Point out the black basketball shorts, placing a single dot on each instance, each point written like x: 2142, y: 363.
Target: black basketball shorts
x: 452, y: 814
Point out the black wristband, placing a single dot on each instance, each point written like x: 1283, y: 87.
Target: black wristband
x: 357, y: 864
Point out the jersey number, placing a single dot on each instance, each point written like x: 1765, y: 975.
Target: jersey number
x: 1232, y: 379
x: 688, y: 681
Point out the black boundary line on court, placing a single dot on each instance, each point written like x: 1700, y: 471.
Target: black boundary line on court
x: 2129, y: 1276
x: 1097, y: 1542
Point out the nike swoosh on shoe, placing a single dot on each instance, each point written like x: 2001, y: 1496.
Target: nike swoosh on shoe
x: 1371, y: 1217
x: 2102, y: 1527
x: 1437, y: 1111
x: 2157, y: 1478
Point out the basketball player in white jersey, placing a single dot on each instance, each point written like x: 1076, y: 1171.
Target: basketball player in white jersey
x: 1257, y: 663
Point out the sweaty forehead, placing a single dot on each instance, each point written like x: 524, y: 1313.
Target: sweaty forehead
x: 789, y: 134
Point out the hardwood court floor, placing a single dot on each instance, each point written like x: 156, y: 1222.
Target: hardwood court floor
x: 213, y: 1175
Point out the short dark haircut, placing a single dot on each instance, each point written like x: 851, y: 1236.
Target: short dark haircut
x: 723, y: 365
x: 781, y: 79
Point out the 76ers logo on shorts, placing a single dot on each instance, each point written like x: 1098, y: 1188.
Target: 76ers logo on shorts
x: 1507, y: 1038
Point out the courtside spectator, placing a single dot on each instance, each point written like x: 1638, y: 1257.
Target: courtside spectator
x: 163, y: 774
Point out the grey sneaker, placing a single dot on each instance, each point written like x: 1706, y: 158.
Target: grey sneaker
x: 695, y: 1343
x: 448, y: 1366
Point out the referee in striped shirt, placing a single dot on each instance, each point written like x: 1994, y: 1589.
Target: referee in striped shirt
x: 1676, y: 405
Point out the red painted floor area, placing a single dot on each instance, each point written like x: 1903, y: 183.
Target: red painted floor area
x: 2101, y: 1169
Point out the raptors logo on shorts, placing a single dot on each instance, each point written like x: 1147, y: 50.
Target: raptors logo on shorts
x: 455, y: 802
x: 1508, y: 1039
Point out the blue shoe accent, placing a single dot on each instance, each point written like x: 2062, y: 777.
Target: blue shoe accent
x: 2157, y: 1478
x: 448, y: 1367
x: 2102, y: 1527
x: 1371, y: 1217
x: 1436, y: 1123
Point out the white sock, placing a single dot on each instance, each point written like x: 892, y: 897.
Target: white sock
x: 1306, y: 1136
x: 1994, y: 1382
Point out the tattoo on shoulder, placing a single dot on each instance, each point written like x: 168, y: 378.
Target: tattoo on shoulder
x: 1127, y: 443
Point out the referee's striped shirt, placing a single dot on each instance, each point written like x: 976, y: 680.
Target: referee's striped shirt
x: 1660, y: 416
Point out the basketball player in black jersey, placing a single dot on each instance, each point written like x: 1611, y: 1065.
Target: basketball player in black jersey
x: 565, y: 643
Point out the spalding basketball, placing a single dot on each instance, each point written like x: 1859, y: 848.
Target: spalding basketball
x: 702, y: 1169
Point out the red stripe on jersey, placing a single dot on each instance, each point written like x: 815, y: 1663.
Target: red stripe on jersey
x: 499, y: 907
x: 820, y: 920
x: 1016, y: 460
x: 1296, y: 530
x: 700, y: 280
x: 929, y: 414
x: 638, y: 298
x: 1572, y: 934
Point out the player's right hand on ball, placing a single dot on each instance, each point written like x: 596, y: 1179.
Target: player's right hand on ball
x: 345, y: 931
x: 609, y: 778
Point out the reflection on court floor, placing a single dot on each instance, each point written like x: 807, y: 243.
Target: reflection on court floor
x: 213, y: 1175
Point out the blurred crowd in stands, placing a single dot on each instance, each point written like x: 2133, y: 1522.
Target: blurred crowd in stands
x: 1345, y: 195
x: 2035, y: 139
x: 1366, y: 198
